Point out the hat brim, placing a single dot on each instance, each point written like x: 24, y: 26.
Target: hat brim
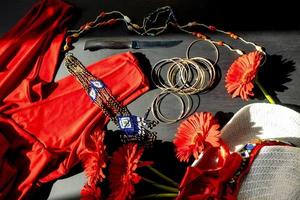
x: 262, y: 121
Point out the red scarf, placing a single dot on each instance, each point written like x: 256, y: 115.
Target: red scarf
x: 44, y: 126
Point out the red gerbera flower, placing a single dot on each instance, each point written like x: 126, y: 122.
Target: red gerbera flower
x: 241, y: 74
x: 90, y: 193
x: 93, y: 158
x: 122, y: 176
x: 194, y: 133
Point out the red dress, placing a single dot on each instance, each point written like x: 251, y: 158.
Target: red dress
x: 44, y: 126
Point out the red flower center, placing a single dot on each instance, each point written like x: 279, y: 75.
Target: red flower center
x: 247, y: 77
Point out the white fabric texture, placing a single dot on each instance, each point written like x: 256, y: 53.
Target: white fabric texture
x: 275, y: 173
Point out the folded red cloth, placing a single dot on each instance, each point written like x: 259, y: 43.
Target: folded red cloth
x: 44, y: 126
x: 219, y: 173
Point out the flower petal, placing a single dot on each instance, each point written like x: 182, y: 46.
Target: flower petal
x: 241, y: 74
x: 194, y: 134
x: 122, y: 176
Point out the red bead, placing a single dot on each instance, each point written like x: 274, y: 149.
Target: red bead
x: 111, y: 21
x: 201, y: 36
x: 87, y: 27
x: 91, y: 24
x: 102, y: 14
x: 100, y: 24
x: 198, y: 35
x: 68, y: 39
x: 220, y: 43
x: 212, y: 28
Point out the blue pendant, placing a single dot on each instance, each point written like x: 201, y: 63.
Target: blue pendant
x: 129, y: 124
x: 97, y: 84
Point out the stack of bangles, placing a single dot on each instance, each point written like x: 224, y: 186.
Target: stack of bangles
x: 180, y: 74
x: 184, y: 77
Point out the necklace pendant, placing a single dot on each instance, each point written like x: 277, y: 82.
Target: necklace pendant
x: 129, y: 124
x: 134, y: 128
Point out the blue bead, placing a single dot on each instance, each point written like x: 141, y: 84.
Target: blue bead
x: 97, y: 84
x: 249, y: 146
x: 93, y: 94
x: 245, y: 154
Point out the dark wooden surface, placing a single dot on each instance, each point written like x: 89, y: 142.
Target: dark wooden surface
x: 259, y: 22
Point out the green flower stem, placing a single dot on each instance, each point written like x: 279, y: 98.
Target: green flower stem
x: 156, y: 196
x: 163, y: 176
x: 266, y: 94
x: 160, y: 186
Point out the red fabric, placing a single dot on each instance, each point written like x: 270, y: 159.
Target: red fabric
x: 209, y: 178
x: 206, y: 180
x: 44, y: 126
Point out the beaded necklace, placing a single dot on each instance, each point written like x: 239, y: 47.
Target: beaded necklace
x: 149, y: 28
x: 136, y: 128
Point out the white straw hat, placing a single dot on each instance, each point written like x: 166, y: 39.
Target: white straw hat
x: 262, y: 121
x: 275, y: 172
